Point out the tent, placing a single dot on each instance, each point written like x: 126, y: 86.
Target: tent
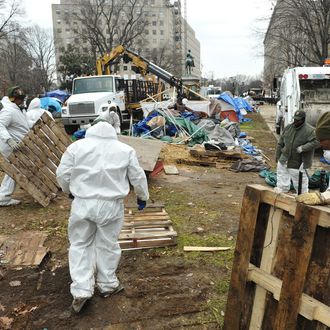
x: 51, y: 104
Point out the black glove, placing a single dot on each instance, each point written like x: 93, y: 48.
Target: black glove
x: 141, y: 204
x: 71, y: 196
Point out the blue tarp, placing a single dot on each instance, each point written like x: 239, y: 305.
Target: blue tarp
x: 59, y: 94
x: 50, y: 104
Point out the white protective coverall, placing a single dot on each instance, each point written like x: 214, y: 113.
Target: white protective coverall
x: 34, y: 112
x: 110, y: 117
x: 97, y: 171
x: 13, y: 125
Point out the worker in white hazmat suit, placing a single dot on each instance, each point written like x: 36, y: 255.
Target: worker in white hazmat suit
x: 34, y: 112
x: 13, y: 127
x: 97, y: 171
x: 110, y: 116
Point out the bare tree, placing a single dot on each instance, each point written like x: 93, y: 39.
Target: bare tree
x: 300, y: 30
x: 9, y: 11
x: 40, y: 47
x: 108, y: 23
x: 15, y: 61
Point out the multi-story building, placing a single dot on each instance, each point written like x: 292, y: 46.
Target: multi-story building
x: 166, y: 32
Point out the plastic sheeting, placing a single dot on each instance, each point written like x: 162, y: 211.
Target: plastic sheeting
x: 59, y: 94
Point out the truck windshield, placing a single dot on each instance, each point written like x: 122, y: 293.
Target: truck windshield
x: 317, y: 89
x: 93, y: 85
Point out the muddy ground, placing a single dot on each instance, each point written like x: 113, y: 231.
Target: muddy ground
x: 165, y: 288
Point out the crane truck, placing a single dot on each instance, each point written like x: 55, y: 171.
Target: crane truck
x: 303, y: 88
x: 93, y: 94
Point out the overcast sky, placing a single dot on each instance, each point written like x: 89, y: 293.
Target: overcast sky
x: 225, y: 29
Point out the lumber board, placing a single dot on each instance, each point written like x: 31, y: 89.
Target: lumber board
x: 25, y: 183
x: 288, y: 203
x: 267, y: 264
x: 24, y: 249
x: 249, y: 213
x: 147, y: 150
x: 301, y: 243
x: 308, y: 307
x: 206, y: 248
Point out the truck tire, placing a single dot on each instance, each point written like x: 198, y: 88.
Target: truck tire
x: 70, y: 129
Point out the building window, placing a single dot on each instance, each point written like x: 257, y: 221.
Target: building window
x: 154, y: 32
x: 146, y: 31
x: 58, y: 21
x: 58, y: 12
x: 154, y: 23
x: 161, y: 32
x: 59, y: 30
x: 125, y: 67
x: 154, y: 41
x: 161, y: 23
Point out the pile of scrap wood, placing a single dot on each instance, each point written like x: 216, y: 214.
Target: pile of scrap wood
x: 34, y: 165
x: 216, y: 158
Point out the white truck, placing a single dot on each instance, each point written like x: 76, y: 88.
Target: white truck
x: 90, y: 96
x: 303, y: 88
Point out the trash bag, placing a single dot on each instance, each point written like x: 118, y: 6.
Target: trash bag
x: 315, y: 180
x: 249, y: 165
x: 269, y: 176
x: 215, y: 146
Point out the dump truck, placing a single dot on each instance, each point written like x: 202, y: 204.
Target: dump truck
x: 303, y: 88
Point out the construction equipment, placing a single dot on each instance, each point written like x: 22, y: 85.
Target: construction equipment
x: 144, y: 66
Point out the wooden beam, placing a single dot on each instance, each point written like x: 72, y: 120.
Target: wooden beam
x: 248, y: 219
x: 267, y: 264
x: 309, y: 307
x: 206, y: 249
x: 288, y: 203
x: 300, y: 245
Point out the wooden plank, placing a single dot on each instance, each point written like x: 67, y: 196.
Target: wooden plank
x: 301, y: 243
x: 288, y: 203
x: 267, y: 263
x: 57, y: 142
x: 46, y: 151
x: 147, y: 150
x: 308, y: 307
x: 26, y: 168
x: 25, y: 183
x: 25, y: 249
x: 147, y: 244
x: 318, y: 276
x: 60, y: 133
x: 37, y: 128
x: 206, y: 249
x: 248, y: 219
x: 39, y: 169
x: 48, y: 167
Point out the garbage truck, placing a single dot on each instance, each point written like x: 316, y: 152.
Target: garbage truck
x: 93, y: 94
x: 303, y: 88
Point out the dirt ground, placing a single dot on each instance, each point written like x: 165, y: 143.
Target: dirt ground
x: 165, y: 288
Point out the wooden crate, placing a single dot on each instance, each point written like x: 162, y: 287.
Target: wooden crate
x: 34, y: 166
x: 281, y: 272
x: 149, y: 228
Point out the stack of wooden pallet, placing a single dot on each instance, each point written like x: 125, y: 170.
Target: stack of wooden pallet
x: 33, y: 167
x: 281, y: 271
x: 149, y: 228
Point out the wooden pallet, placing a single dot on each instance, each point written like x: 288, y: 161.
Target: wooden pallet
x: 34, y: 166
x: 23, y: 249
x: 149, y: 228
x: 281, y: 271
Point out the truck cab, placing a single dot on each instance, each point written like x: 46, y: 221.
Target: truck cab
x: 90, y: 96
x: 303, y: 88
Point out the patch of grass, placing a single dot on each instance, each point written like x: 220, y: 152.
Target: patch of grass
x: 257, y: 123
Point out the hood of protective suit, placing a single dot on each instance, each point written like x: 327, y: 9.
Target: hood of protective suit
x: 102, y: 130
x: 34, y: 104
x: 5, y: 100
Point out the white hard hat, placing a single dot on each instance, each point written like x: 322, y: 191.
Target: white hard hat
x: 184, y: 101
